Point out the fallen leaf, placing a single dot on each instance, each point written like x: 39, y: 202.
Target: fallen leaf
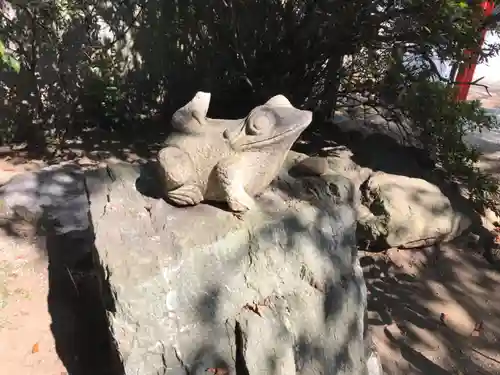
x: 254, y: 308
x: 35, y: 348
x: 478, y: 328
x: 217, y: 371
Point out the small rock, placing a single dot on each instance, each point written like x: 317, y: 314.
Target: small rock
x: 313, y: 166
x: 85, y: 161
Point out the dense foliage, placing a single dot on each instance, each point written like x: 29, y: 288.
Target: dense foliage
x: 6, y: 59
x: 117, y: 64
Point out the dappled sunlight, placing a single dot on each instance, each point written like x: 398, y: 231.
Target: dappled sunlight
x: 97, y: 84
x: 450, y: 290
x: 53, y: 203
x: 259, y: 277
x: 238, y: 289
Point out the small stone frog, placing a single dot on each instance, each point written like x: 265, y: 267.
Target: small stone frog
x: 228, y: 160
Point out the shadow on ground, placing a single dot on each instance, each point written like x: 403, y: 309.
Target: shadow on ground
x: 433, y: 311
x: 55, y: 203
x: 94, y: 145
x: 487, y: 141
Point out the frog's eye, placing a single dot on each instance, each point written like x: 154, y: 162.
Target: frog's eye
x: 258, y: 124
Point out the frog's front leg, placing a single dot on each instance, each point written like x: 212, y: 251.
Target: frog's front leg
x: 179, y: 177
x: 232, y: 180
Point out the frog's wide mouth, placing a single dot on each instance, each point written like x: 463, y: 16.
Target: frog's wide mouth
x: 241, y: 141
x: 263, y: 142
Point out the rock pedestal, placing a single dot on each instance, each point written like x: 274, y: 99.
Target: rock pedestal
x: 199, y: 290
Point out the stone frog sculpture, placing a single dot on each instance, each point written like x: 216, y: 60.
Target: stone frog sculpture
x: 228, y: 161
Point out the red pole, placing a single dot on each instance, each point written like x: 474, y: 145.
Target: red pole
x: 466, y: 71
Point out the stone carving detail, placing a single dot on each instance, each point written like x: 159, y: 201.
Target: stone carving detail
x: 228, y: 161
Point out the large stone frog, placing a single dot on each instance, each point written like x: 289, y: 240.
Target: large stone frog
x: 228, y: 160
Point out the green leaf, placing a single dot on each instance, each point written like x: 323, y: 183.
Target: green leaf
x: 2, y: 49
x: 15, y: 65
x: 12, y: 63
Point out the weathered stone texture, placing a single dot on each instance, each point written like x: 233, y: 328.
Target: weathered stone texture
x: 279, y: 291
x: 229, y: 161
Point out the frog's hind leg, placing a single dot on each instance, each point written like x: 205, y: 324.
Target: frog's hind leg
x: 232, y: 182
x: 186, y: 195
x: 179, y: 177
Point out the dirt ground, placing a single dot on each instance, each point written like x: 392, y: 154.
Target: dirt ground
x: 26, y: 342
x: 489, y: 98
x: 434, y: 311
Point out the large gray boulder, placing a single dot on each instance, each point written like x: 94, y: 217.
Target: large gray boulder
x: 400, y: 211
x: 277, y: 291
x: 199, y: 290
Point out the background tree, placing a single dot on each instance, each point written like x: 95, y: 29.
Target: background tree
x: 116, y: 65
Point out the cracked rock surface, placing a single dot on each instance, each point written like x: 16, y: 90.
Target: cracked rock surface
x: 277, y: 291
x: 198, y: 290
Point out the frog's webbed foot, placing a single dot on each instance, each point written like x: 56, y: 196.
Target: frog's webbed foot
x: 186, y: 195
x: 238, y: 215
x: 238, y: 200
